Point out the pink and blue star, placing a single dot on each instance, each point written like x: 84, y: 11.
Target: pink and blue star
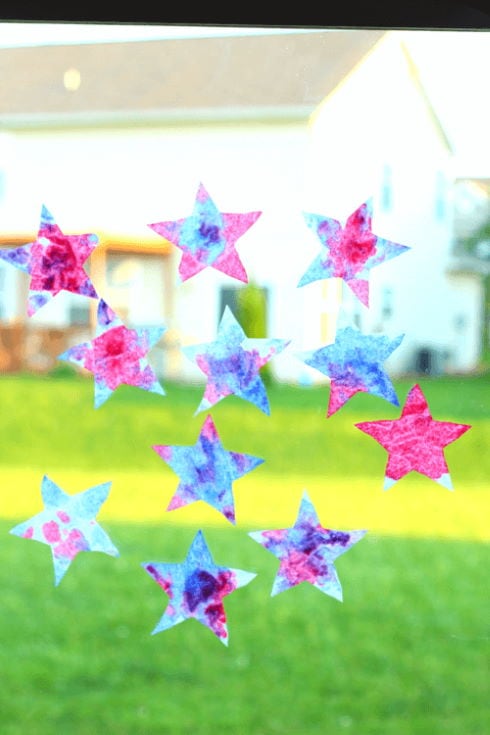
x: 206, y: 470
x: 232, y: 364
x: 349, y: 252
x: 54, y: 262
x: 307, y: 551
x: 196, y: 588
x: 207, y: 238
x: 117, y: 355
x: 67, y: 524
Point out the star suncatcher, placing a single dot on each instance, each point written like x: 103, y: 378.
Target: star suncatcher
x: 354, y: 364
x: 349, y: 252
x: 232, y: 364
x: 307, y: 551
x: 67, y: 524
x: 54, y: 262
x: 208, y: 238
x: 206, y: 470
x: 196, y: 588
x: 117, y: 355
x: 415, y: 442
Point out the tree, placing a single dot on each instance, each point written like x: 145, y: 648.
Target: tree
x: 252, y: 315
x: 477, y: 244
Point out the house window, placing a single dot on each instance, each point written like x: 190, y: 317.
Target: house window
x: 387, y: 189
x: 228, y: 297
x: 386, y: 302
x: 79, y: 314
x: 249, y: 305
x: 440, y: 203
x: 122, y: 270
x: 460, y: 322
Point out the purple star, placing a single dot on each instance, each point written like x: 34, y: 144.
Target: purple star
x: 354, y: 364
x: 55, y: 263
x: 349, y: 252
x: 307, y: 551
x: 207, y: 238
x: 68, y: 525
x: 232, y: 364
x: 116, y: 356
x: 206, y: 470
x: 196, y: 588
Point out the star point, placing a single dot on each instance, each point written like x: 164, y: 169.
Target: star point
x: 196, y: 588
x: 206, y: 471
x: 207, y: 238
x: 415, y: 442
x: 67, y: 524
x: 349, y: 252
x: 54, y: 262
x: 117, y: 355
x: 307, y: 551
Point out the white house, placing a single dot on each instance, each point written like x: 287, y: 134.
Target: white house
x: 112, y: 137
x: 378, y: 135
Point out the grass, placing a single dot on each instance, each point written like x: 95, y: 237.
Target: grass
x: 405, y: 653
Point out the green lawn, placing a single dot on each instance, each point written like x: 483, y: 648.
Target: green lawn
x: 406, y: 653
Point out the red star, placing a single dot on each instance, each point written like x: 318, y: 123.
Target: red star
x: 415, y: 441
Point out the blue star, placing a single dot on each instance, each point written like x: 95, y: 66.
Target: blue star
x: 354, y: 364
x: 196, y: 588
x: 68, y: 524
x: 206, y: 471
x: 232, y: 364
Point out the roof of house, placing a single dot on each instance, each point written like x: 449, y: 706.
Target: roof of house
x: 415, y: 75
x: 288, y: 73
x: 482, y: 183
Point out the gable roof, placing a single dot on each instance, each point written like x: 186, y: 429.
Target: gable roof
x: 399, y: 45
x: 264, y: 75
x: 415, y: 76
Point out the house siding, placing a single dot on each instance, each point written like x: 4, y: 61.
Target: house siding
x: 124, y: 179
x: 379, y: 119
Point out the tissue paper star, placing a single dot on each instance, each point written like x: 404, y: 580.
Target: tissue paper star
x: 116, y: 356
x: 68, y: 524
x: 415, y: 441
x: 54, y: 261
x: 349, y: 252
x: 307, y: 551
x: 207, y: 238
x: 196, y: 588
x: 354, y: 364
x: 206, y: 470
x: 232, y: 364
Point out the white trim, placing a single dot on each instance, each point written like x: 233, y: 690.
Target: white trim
x: 266, y: 115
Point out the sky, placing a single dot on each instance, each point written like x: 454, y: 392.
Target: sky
x: 454, y: 67
x: 34, y: 34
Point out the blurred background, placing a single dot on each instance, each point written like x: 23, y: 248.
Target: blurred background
x: 113, y: 128
x: 113, y: 134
